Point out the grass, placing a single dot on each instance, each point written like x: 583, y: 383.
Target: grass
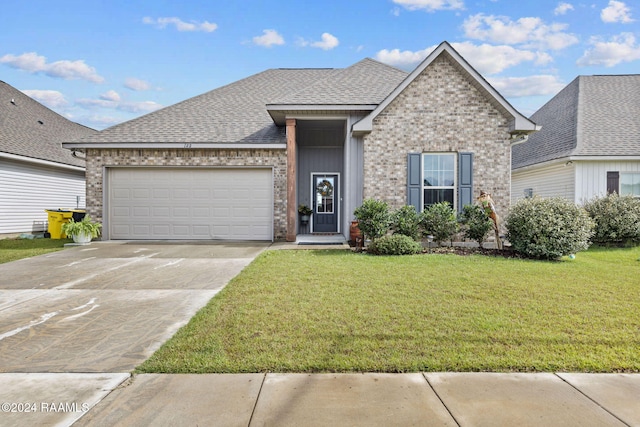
x: 15, y: 249
x: 337, y: 311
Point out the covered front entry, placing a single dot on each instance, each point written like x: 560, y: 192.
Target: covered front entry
x: 320, y: 167
x: 178, y: 203
x: 326, y: 197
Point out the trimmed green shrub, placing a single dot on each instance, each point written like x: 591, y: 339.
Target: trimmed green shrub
x: 439, y: 220
x: 548, y: 228
x: 476, y: 224
x: 373, y: 218
x: 406, y: 221
x: 396, y: 244
x: 617, y: 219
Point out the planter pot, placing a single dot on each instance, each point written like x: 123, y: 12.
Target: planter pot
x: 81, y: 238
x: 304, y: 219
x: 355, y: 234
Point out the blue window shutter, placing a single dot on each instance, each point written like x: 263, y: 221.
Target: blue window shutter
x: 465, y: 180
x: 414, y: 186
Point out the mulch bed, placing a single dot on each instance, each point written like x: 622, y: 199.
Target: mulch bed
x: 466, y: 251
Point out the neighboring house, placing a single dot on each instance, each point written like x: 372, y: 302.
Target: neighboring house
x: 589, y: 144
x: 236, y: 162
x: 36, y: 173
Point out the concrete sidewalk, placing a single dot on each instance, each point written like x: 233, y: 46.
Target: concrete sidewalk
x: 370, y: 399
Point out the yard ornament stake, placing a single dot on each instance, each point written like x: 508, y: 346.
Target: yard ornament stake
x: 487, y: 204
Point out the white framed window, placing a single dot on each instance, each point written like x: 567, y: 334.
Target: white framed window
x: 630, y: 184
x: 439, y: 178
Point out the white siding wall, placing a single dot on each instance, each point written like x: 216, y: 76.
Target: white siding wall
x: 550, y: 181
x: 26, y: 190
x: 591, y: 177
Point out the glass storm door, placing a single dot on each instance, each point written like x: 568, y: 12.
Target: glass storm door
x: 325, y: 203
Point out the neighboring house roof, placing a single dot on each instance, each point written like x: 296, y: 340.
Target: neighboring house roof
x: 519, y: 124
x: 28, y: 129
x: 593, y: 116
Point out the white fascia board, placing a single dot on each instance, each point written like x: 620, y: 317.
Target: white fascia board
x: 566, y: 159
x: 41, y: 162
x: 173, y: 145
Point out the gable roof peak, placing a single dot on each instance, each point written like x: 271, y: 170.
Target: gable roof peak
x: 519, y: 123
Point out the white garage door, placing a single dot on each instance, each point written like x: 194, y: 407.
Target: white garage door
x: 189, y: 203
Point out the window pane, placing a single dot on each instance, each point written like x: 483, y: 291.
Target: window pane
x: 324, y: 194
x: 439, y: 170
x: 630, y: 184
x: 433, y: 196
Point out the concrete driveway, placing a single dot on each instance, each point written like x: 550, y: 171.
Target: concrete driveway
x: 108, y: 306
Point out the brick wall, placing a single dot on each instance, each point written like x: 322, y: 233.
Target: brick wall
x: 97, y: 159
x: 440, y: 111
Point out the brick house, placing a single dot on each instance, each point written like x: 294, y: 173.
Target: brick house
x: 236, y: 162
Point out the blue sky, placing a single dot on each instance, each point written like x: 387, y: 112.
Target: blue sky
x: 102, y: 62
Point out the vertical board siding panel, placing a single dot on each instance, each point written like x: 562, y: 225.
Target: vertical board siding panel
x: 26, y: 190
x: 593, y: 182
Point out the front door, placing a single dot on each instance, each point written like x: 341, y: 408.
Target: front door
x: 325, y: 203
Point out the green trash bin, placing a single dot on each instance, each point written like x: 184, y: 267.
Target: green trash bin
x: 57, y: 217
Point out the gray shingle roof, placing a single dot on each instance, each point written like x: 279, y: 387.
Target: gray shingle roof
x: 237, y: 113
x: 592, y: 116
x: 29, y: 129
x: 364, y: 83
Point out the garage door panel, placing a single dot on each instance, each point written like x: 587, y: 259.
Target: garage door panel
x: 189, y: 203
x: 202, y: 212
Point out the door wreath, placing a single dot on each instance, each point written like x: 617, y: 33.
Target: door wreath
x: 325, y: 188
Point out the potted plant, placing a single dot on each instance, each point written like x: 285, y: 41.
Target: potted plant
x: 305, y: 212
x: 82, y: 231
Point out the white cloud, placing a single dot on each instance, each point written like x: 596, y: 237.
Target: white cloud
x: 431, y: 5
x: 620, y: 48
x: 111, y: 95
x: 529, y: 32
x: 515, y: 87
x: 328, y: 42
x: 51, y: 98
x: 139, y: 107
x: 562, y: 8
x: 112, y: 100
x: 68, y: 70
x: 485, y: 58
x: 136, y: 84
x: 181, y: 25
x: 102, y: 103
x: 269, y: 38
x: 617, y: 11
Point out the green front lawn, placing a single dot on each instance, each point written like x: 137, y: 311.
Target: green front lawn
x: 337, y: 311
x: 15, y: 249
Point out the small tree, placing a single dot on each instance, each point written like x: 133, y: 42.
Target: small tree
x: 617, y: 219
x: 476, y: 224
x: 548, y: 228
x: 439, y: 220
x: 373, y: 218
x: 406, y: 221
